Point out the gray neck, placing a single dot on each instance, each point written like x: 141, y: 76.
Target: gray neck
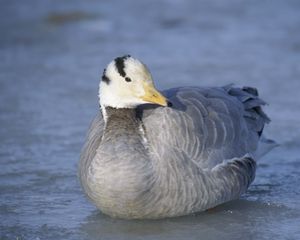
x: 123, y: 135
x: 122, y: 126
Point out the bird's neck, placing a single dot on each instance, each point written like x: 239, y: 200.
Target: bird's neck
x: 121, y: 120
x: 117, y: 112
x: 124, y: 128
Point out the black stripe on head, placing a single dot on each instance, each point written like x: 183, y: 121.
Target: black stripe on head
x: 105, y: 78
x: 119, y: 61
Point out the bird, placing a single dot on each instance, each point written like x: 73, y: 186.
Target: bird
x: 151, y: 154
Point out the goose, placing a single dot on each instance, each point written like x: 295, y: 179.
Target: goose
x: 151, y: 154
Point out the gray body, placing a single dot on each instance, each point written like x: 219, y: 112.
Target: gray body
x: 155, y: 162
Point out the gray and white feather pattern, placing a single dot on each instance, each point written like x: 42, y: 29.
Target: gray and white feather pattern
x: 151, y: 161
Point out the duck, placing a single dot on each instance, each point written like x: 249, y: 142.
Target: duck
x: 151, y: 154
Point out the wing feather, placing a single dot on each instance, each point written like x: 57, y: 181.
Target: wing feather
x: 205, y: 125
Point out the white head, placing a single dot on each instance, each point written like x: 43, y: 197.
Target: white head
x: 127, y: 83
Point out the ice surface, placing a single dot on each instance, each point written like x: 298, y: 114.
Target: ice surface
x: 52, y: 55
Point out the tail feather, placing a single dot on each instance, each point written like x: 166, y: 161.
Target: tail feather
x: 252, y: 103
x: 251, y: 90
x: 264, y: 146
x: 254, y: 115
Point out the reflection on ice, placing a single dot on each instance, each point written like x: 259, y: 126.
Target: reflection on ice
x: 228, y: 221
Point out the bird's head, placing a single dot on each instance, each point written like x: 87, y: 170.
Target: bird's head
x: 127, y: 83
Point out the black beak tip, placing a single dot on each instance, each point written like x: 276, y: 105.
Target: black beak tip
x: 169, y: 103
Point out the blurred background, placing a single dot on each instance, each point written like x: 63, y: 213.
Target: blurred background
x: 52, y: 54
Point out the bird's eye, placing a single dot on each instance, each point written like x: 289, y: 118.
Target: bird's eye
x: 127, y: 79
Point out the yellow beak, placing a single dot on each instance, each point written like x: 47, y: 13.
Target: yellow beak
x: 153, y: 96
